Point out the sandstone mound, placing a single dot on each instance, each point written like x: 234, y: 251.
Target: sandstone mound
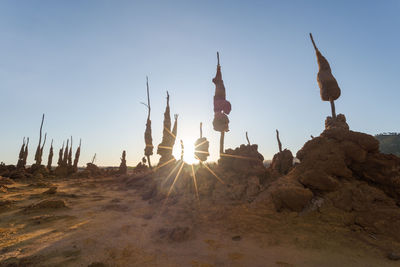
x: 343, y: 175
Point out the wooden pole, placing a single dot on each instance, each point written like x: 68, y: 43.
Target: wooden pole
x: 221, y: 143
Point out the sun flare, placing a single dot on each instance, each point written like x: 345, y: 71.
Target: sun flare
x: 188, y: 154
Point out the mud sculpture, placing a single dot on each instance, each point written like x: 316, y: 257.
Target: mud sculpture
x: 39, y: 149
x: 164, y: 149
x: 148, y: 150
x: 65, y: 158
x: 329, y: 88
x: 174, y: 130
x: 201, y: 146
x: 25, y: 153
x: 21, y: 155
x: 282, y: 161
x: 77, y: 154
x: 50, y: 158
x: 222, y: 107
x: 69, y: 162
x: 122, y: 167
x: 60, y: 155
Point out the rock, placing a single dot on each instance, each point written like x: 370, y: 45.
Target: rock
x: 236, y: 238
x: 393, y: 256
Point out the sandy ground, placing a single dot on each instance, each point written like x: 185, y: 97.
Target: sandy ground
x: 109, y: 224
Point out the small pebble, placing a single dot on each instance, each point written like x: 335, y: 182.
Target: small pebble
x: 237, y: 238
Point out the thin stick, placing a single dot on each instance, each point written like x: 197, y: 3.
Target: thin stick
x: 201, y: 130
x: 279, y: 141
x: 148, y: 97
x: 312, y: 40
x: 247, y: 138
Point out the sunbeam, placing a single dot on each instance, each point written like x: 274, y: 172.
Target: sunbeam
x: 175, y: 180
x: 213, y: 173
x: 195, y: 182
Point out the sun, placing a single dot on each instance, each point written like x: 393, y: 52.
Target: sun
x: 188, y: 155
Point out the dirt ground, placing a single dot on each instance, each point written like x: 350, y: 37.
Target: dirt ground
x: 105, y: 223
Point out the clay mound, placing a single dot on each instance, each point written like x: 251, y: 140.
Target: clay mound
x: 282, y: 162
x: 235, y: 179
x: 343, y: 175
x: 244, y: 159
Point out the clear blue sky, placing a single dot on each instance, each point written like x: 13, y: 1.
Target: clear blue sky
x: 84, y: 64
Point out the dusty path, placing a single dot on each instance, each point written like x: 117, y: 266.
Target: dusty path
x: 109, y: 224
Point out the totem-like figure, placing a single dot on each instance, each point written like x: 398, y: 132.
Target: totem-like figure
x: 66, y: 153
x: 60, y: 156
x: 50, y: 159
x: 168, y: 140
x: 21, y: 155
x: 69, y: 162
x: 25, y: 153
x: 123, y: 169
x: 39, y: 149
x: 222, y: 107
x: 148, y: 150
x: 329, y: 88
x: 77, y: 154
x: 201, y: 146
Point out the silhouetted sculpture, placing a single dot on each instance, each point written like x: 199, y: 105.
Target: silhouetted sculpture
x: 122, y: 167
x: 60, y: 155
x: 50, y: 158
x: 21, y: 155
x: 329, y: 88
x: 201, y: 146
x: 39, y: 149
x: 148, y: 150
x: 26, y: 152
x: 69, y: 162
x: 222, y: 107
x: 165, y: 147
x: 77, y: 154
x: 65, y: 157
